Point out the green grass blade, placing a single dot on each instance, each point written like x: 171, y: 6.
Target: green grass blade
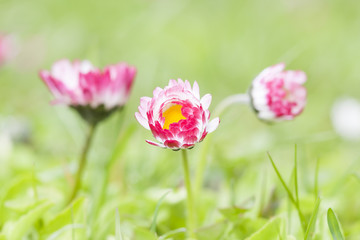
x: 172, y: 233
x: 153, y: 224
x: 296, y: 177
x: 311, y: 226
x: 282, y: 180
x: 334, y: 225
x: 19, y: 229
x: 118, y: 235
x: 291, y: 197
x: 72, y: 222
x: 271, y: 230
x: 316, y: 180
x: 56, y: 235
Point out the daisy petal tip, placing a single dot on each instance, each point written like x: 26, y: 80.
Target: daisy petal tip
x: 206, y: 101
x: 213, y: 125
x: 142, y: 120
x: 155, y: 144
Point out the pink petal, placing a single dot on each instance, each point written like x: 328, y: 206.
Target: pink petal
x: 155, y: 144
x: 173, y: 144
x: 187, y: 146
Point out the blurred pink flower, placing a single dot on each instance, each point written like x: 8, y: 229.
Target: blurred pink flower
x: 86, y: 88
x: 176, y: 115
x: 278, y: 95
x: 8, y: 48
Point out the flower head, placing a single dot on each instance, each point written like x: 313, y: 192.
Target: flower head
x: 176, y: 115
x: 278, y: 95
x: 94, y: 93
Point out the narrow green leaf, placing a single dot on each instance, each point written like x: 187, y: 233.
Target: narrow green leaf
x: 296, y: 176
x: 118, y: 235
x: 23, y: 225
x: 281, y: 179
x: 233, y: 213
x: 143, y: 234
x: 11, y: 189
x: 301, y: 216
x: 172, y: 233
x: 153, y: 224
x: 311, y: 226
x: 64, y: 229
x: 121, y: 146
x: 334, y: 225
x: 66, y: 217
x: 34, y: 183
x: 316, y: 181
x: 72, y: 223
x: 271, y: 230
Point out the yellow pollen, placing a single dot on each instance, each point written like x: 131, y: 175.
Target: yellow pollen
x: 172, y: 115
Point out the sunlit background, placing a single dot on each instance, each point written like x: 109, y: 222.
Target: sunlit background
x: 223, y: 45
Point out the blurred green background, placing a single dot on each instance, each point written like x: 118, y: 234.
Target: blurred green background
x: 222, y: 44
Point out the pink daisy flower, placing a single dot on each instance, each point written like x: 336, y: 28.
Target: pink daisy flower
x: 94, y: 93
x: 278, y: 95
x: 176, y: 115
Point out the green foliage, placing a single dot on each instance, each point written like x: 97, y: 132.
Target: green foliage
x: 153, y: 224
x: 118, y: 234
x: 233, y: 213
x: 18, y: 229
x: 63, y: 223
x: 334, y: 225
x: 143, y: 233
x: 311, y: 225
x: 294, y: 201
x: 222, y: 45
x: 271, y: 230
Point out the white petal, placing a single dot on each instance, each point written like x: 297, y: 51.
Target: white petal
x: 188, y: 86
x: 212, y: 125
x: 205, y: 101
x: 142, y: 120
x: 196, y: 90
x: 172, y: 83
x: 157, y: 91
x: 156, y: 144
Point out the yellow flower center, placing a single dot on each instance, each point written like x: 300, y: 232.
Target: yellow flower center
x: 172, y: 115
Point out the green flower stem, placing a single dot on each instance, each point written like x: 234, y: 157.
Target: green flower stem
x: 190, y: 221
x: 230, y: 100
x: 82, y: 162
